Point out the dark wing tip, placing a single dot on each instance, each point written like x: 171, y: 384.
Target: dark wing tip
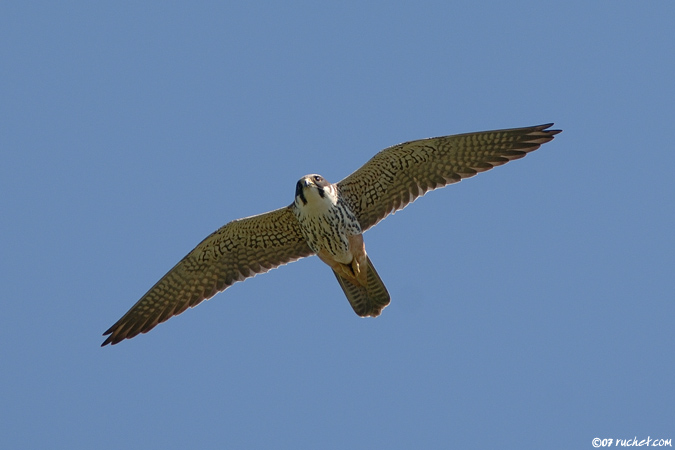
x: 126, y: 329
x: 545, y: 130
x: 117, y: 338
x: 113, y: 338
x: 108, y: 340
x: 538, y: 135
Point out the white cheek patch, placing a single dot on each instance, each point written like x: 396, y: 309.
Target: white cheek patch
x: 318, y: 202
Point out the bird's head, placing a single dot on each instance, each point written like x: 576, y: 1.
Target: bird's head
x: 314, y: 190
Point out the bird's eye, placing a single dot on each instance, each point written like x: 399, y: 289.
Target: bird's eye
x: 317, y: 178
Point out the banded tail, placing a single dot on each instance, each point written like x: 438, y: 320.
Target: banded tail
x: 367, y: 300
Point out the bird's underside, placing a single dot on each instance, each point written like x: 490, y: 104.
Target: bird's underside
x: 392, y: 179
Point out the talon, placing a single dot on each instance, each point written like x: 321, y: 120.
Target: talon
x: 360, y: 275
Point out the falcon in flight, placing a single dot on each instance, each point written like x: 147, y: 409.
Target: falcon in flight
x: 327, y: 220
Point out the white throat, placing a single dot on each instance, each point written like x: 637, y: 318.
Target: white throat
x: 317, y: 204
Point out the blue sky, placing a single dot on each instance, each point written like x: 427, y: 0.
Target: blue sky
x: 532, y: 306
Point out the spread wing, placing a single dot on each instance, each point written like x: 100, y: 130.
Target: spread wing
x: 396, y: 176
x: 236, y: 251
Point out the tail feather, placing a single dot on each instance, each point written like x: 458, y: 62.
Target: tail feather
x: 367, y: 300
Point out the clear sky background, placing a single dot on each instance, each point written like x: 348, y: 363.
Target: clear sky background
x: 532, y: 306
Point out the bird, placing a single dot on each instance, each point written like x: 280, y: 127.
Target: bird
x: 328, y: 220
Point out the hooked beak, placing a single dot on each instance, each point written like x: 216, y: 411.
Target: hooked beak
x: 300, y: 190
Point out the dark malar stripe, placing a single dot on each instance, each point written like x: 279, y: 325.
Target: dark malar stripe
x: 299, y: 193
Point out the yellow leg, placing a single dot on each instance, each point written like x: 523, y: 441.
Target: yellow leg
x: 360, y: 262
x: 356, y: 271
